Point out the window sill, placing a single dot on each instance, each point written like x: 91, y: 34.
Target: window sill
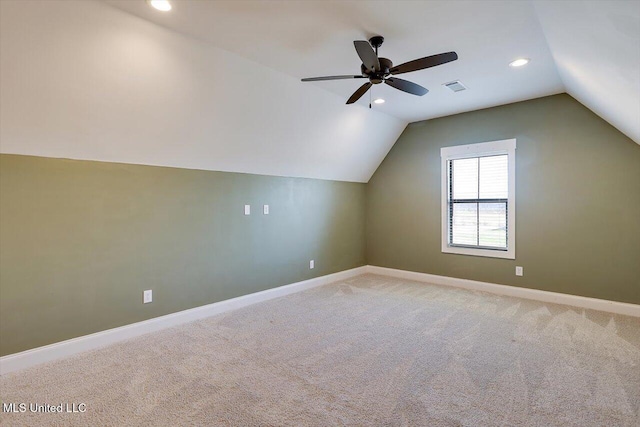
x: 488, y: 253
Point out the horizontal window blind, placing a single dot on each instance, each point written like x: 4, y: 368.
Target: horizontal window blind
x: 478, y: 202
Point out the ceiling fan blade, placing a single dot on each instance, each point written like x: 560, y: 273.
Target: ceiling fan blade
x: 367, y: 55
x: 361, y: 91
x: 406, y: 86
x: 317, y: 79
x: 422, y: 63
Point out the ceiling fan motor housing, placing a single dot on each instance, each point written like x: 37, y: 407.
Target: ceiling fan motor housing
x: 377, y: 76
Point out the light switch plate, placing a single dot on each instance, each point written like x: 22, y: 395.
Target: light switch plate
x: 247, y: 209
x: 265, y: 209
x: 519, y: 271
x: 312, y: 264
x: 147, y: 296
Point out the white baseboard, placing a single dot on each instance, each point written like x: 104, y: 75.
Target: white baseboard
x: 18, y: 361
x: 513, y: 291
x: 36, y: 356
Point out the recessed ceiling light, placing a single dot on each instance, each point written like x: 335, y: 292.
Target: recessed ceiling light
x: 162, y: 5
x: 378, y: 101
x: 519, y: 62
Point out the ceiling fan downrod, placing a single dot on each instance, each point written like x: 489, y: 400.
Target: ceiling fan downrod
x: 376, y: 42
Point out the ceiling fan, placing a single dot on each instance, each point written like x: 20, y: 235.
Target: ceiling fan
x: 380, y: 70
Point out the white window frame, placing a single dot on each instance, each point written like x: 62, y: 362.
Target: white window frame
x: 507, y: 146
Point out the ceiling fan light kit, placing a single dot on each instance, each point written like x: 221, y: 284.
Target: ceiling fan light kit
x: 380, y: 70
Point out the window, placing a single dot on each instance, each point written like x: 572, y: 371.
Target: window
x: 478, y: 199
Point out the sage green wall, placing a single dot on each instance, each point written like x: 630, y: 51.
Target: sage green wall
x: 80, y: 241
x: 577, y: 200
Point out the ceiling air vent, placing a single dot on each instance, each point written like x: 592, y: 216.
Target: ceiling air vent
x: 455, y: 86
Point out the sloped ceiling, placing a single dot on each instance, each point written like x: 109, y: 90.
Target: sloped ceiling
x: 83, y: 80
x: 216, y: 84
x: 596, y: 47
x: 315, y: 38
x: 590, y: 49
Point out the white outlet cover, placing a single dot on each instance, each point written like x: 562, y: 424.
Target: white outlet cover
x: 312, y: 264
x: 265, y: 209
x: 519, y: 271
x: 247, y: 209
x: 147, y: 296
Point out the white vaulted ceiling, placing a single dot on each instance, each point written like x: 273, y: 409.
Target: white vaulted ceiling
x: 596, y: 47
x: 216, y: 85
x: 83, y: 80
x: 315, y: 38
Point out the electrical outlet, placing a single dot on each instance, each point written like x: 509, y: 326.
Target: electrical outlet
x: 312, y: 264
x: 519, y: 271
x: 247, y: 209
x: 265, y: 209
x: 147, y: 296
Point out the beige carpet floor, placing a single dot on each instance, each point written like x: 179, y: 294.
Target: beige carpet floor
x: 369, y: 351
